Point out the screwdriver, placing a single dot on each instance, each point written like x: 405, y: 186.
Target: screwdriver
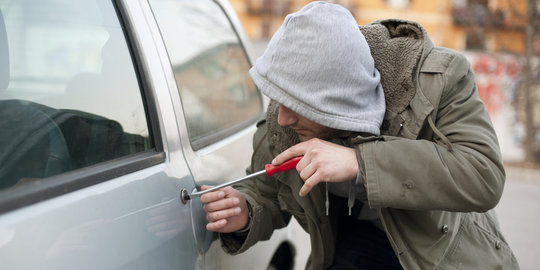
x: 269, y: 170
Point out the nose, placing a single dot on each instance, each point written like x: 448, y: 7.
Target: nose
x: 286, y: 117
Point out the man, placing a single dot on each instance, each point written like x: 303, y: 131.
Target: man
x: 401, y: 166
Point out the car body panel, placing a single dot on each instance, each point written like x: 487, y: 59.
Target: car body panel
x: 106, y: 226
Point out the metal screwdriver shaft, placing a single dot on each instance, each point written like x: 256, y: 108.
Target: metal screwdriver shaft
x: 269, y: 170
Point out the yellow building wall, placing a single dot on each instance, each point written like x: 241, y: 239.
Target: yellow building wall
x: 508, y: 41
x: 516, y: 10
x: 434, y: 15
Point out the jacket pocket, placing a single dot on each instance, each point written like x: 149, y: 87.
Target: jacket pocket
x: 478, y: 246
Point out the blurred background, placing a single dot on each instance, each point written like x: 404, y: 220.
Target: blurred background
x: 501, y: 39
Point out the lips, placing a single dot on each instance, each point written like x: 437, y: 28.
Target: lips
x: 299, y: 130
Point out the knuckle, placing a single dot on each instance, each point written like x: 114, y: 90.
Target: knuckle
x: 209, y: 197
x: 230, y: 203
x: 210, y: 207
x: 303, y: 174
x: 316, y: 162
x: 226, y: 204
x: 212, y: 217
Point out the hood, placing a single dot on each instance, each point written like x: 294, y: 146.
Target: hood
x: 319, y: 65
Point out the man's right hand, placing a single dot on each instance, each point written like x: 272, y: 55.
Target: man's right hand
x: 226, y: 210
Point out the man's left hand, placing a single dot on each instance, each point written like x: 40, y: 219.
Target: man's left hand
x: 323, y: 161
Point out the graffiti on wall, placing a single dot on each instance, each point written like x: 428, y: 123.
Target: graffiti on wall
x: 497, y: 79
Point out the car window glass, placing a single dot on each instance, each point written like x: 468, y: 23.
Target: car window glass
x: 69, y: 94
x: 210, y: 68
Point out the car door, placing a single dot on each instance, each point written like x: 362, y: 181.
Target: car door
x: 213, y: 92
x: 91, y: 161
x: 201, y: 46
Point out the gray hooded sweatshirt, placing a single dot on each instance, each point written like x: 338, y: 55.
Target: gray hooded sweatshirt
x: 316, y: 62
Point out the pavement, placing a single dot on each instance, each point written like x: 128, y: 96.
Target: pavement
x: 519, y: 215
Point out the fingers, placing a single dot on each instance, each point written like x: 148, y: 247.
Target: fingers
x: 212, y: 196
x: 322, y: 161
x: 222, y: 214
x: 311, y: 172
x: 306, y: 168
x: 311, y: 182
x: 215, y: 202
x: 216, y: 195
x: 306, y: 148
x: 297, y: 150
x: 225, y: 203
x: 226, y: 209
x: 218, y: 205
x: 217, y: 226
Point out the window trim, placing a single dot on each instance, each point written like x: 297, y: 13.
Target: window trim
x: 224, y: 133
x: 198, y: 144
x: 143, y: 76
x: 17, y: 197
x: 28, y: 194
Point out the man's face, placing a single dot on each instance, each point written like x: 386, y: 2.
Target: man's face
x: 305, y: 128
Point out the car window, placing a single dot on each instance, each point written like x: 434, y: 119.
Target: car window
x: 69, y: 93
x: 210, y: 67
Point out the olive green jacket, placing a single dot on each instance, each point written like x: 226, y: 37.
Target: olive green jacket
x: 434, y: 174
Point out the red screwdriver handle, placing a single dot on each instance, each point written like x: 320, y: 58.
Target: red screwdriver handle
x: 285, y: 166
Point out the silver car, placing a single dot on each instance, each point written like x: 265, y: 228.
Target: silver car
x: 108, y: 110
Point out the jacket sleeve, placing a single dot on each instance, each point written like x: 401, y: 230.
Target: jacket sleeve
x: 423, y: 175
x: 261, y: 194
